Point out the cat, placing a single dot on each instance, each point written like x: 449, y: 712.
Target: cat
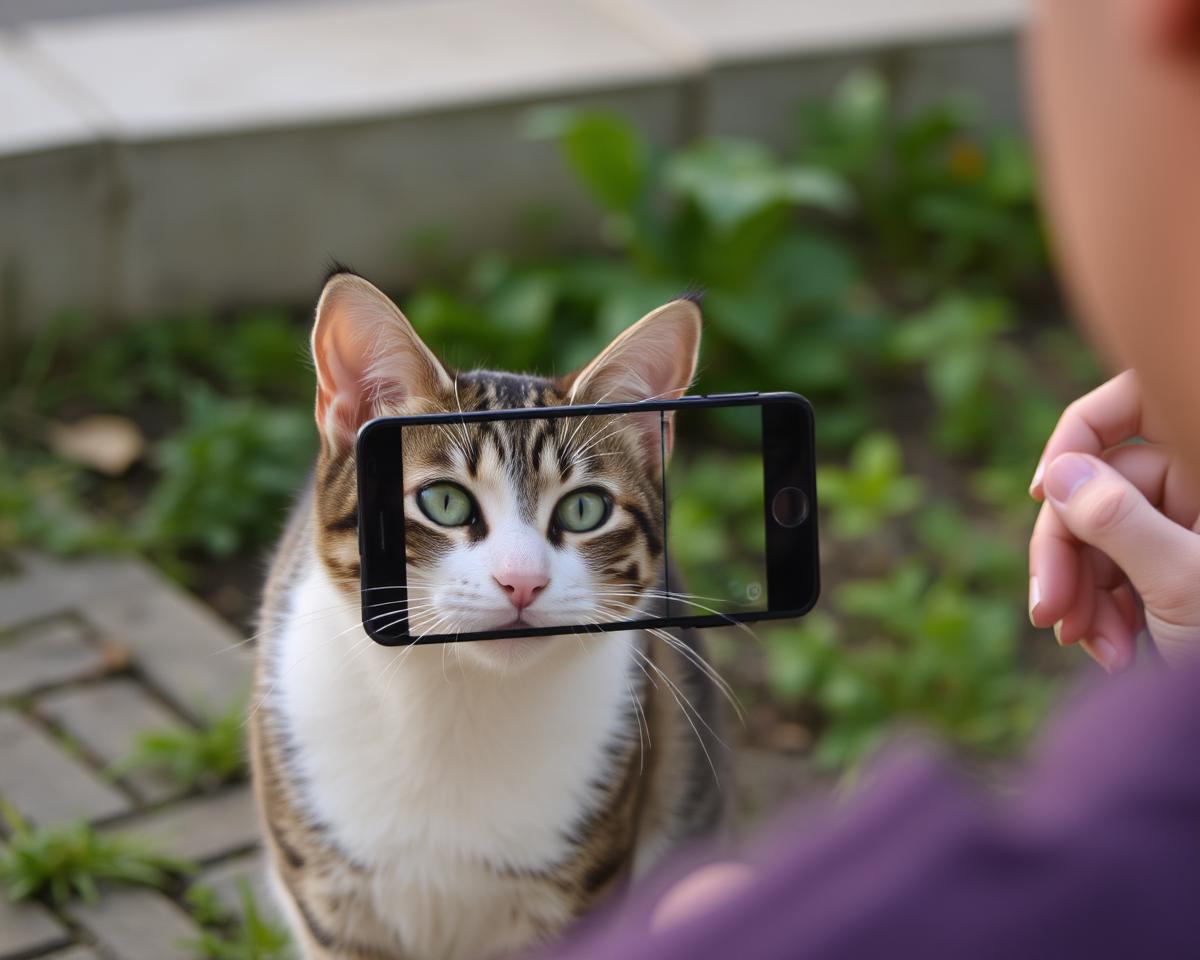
x: 464, y: 800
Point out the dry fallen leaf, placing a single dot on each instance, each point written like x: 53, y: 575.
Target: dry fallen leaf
x: 104, y: 442
x: 115, y: 657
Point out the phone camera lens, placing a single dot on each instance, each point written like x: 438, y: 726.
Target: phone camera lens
x: 790, y: 507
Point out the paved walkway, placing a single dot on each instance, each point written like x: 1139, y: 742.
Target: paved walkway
x: 91, y: 654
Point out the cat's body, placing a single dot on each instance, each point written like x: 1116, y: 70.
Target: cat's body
x: 463, y: 800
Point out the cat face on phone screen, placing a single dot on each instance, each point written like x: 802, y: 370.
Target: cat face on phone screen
x: 535, y: 523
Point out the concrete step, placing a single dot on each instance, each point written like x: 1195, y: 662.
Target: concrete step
x: 217, y: 154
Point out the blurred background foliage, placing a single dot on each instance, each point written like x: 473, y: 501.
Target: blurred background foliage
x: 893, y: 269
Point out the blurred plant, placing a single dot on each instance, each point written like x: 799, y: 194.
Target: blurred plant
x: 942, y: 202
x: 206, y: 757
x: 716, y: 513
x: 987, y: 395
x: 228, y: 474
x: 160, y: 360
x: 66, y: 860
x: 722, y: 214
x: 224, y: 937
x: 208, y: 910
x: 891, y: 241
x: 41, y: 505
x: 927, y: 651
x: 872, y: 489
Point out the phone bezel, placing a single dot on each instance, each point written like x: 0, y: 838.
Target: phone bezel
x: 793, y: 570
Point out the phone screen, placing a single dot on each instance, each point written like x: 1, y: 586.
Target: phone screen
x: 715, y: 515
x: 692, y: 513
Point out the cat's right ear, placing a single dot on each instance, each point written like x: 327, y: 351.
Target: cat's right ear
x: 369, y: 359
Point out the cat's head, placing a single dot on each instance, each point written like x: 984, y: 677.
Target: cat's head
x: 511, y: 522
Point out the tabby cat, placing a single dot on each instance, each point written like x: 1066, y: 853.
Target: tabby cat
x: 447, y: 801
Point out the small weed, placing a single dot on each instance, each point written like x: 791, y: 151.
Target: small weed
x: 253, y: 937
x: 69, y: 860
x: 924, y: 650
x: 206, y: 757
x: 946, y: 203
x: 871, y: 490
x: 207, y: 908
x: 228, y: 474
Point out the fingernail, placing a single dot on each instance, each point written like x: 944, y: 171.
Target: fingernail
x: 1103, y: 652
x: 1066, y: 475
x: 1058, y: 632
x: 1035, y: 597
x: 1037, y: 476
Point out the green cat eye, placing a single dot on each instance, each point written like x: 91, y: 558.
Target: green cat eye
x: 582, y: 511
x: 446, y: 504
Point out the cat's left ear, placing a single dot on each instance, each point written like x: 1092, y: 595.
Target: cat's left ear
x: 655, y: 359
x: 369, y: 359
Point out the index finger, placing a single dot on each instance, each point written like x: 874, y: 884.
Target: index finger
x: 1097, y: 421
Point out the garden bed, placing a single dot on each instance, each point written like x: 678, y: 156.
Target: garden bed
x: 893, y: 270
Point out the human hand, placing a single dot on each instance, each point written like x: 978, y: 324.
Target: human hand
x: 1120, y: 521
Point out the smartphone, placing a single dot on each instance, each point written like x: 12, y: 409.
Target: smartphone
x: 726, y: 516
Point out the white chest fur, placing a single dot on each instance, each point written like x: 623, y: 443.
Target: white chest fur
x: 433, y: 776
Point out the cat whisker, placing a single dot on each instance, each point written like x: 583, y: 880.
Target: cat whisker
x: 699, y: 662
x: 681, y: 699
x: 685, y: 598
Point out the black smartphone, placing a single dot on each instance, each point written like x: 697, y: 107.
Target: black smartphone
x: 697, y: 512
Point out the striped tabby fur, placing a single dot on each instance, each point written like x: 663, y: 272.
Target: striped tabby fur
x: 448, y: 802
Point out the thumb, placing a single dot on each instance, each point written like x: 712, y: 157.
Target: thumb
x: 1103, y: 509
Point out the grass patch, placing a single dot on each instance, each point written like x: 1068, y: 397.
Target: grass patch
x: 225, y: 937
x: 70, y: 860
x: 206, y: 757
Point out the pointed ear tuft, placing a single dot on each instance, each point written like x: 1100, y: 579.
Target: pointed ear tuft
x: 655, y: 359
x: 369, y: 359
x: 333, y: 268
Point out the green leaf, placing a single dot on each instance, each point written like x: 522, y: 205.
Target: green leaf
x: 601, y: 147
x: 732, y: 180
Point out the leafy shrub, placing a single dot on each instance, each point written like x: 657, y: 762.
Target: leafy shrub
x: 65, y: 860
x: 944, y: 202
x: 251, y: 937
x: 207, y: 757
x: 872, y: 489
x: 928, y: 651
x: 888, y: 253
x: 40, y: 504
x: 228, y: 474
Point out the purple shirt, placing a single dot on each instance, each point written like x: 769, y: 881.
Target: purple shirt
x: 1096, y: 856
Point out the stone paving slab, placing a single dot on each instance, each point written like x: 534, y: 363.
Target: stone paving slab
x: 223, y: 881
x: 75, y: 953
x: 63, y: 624
x: 47, y: 655
x: 184, y: 648
x: 46, y: 785
x: 202, y: 829
x: 28, y: 928
x: 138, y: 924
x: 50, y: 587
x: 106, y: 719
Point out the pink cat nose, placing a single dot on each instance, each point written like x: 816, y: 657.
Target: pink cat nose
x: 522, y: 588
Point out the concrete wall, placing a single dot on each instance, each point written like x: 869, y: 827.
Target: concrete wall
x: 225, y: 168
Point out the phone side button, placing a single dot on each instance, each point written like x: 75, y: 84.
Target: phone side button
x: 732, y: 396
x: 692, y: 396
